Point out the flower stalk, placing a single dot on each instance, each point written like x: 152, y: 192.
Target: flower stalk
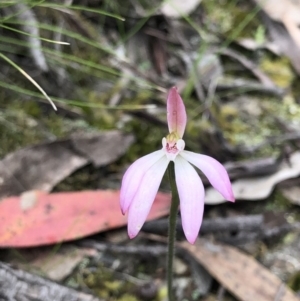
x: 172, y: 229
x: 141, y: 182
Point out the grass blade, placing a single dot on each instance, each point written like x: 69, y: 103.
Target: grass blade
x: 29, y: 78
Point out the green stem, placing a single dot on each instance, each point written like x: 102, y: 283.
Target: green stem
x: 172, y: 229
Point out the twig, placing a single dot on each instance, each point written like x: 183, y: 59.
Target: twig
x: 264, y: 79
x: 265, y: 233
x: 232, y: 230
x: 238, y: 223
x: 16, y: 284
x: 130, y: 250
x: 248, y: 86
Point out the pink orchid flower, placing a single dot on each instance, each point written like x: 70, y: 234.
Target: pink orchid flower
x: 142, y: 179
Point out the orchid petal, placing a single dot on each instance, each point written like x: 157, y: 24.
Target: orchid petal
x: 145, y: 195
x: 214, y: 171
x: 176, y: 113
x: 133, y: 177
x: 191, y: 195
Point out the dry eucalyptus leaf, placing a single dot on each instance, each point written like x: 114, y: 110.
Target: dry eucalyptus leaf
x: 54, y: 265
x: 41, y: 167
x: 102, y: 148
x: 292, y: 194
x: 59, y: 265
x: 283, y: 40
x: 281, y: 10
x: 285, y: 11
x: 65, y: 216
x: 239, y: 273
x: 258, y: 188
x: 178, y: 8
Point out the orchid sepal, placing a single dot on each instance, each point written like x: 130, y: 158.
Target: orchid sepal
x: 176, y: 114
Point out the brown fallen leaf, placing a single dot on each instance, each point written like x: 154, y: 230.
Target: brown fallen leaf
x: 53, y: 264
x: 286, y: 12
x: 258, y: 188
x: 59, y: 265
x: 291, y: 190
x: 102, y: 148
x: 239, y: 273
x: 282, y: 20
x: 292, y: 194
x: 41, y: 167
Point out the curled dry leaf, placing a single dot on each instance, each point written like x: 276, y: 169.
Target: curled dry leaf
x: 239, y: 273
x: 43, y: 166
x: 258, y: 188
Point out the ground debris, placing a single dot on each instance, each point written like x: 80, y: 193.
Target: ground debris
x: 43, y: 166
x: 19, y: 285
x: 239, y: 273
x: 242, y: 96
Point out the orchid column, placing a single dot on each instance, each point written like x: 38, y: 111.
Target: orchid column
x: 142, y: 179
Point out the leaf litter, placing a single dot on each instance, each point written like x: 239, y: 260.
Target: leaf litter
x: 43, y: 166
x: 245, y: 106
